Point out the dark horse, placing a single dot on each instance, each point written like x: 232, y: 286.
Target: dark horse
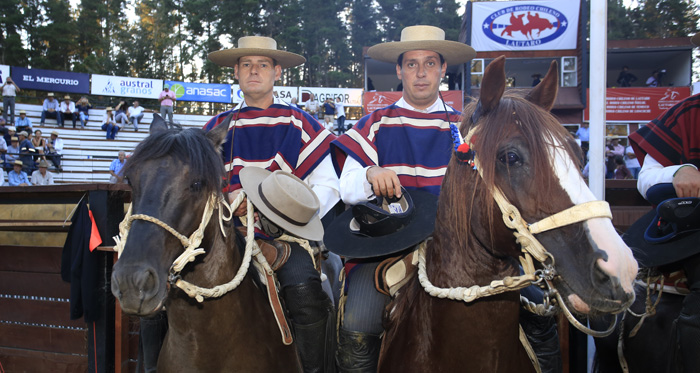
x: 173, y: 175
x: 522, y: 150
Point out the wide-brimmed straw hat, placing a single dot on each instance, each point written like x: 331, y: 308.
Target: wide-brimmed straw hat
x: 50, y: 94
x: 19, y: 163
x: 14, y: 138
x: 422, y: 37
x: 380, y: 227
x: 285, y: 200
x: 695, y: 39
x: 256, y: 46
x: 54, y: 133
x: 22, y: 112
x: 24, y: 133
x: 66, y: 97
x: 109, y: 108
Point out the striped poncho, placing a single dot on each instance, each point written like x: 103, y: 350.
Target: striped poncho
x: 280, y: 137
x: 674, y: 137
x: 415, y: 145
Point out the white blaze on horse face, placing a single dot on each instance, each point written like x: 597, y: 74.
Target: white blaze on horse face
x: 620, y: 262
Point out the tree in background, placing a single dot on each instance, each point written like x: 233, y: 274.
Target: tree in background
x: 11, y: 24
x: 53, y: 43
x: 652, y: 19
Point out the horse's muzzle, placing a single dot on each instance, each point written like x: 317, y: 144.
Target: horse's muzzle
x: 138, y: 289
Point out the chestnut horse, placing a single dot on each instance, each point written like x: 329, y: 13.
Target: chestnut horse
x: 174, y: 174
x: 519, y: 149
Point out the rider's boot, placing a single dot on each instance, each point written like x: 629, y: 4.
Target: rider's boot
x: 541, y: 332
x: 313, y: 319
x: 687, y: 326
x: 357, y: 352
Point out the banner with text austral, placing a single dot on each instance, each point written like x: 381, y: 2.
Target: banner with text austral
x: 638, y: 104
x: 378, y: 100
x: 51, y: 80
x: 122, y: 86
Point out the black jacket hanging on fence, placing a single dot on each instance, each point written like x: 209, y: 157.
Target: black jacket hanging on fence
x: 79, y: 267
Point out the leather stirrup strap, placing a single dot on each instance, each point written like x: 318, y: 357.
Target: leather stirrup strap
x: 277, y: 310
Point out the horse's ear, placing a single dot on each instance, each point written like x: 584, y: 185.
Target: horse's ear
x: 158, y: 124
x: 493, y: 85
x: 218, y: 134
x: 544, y: 94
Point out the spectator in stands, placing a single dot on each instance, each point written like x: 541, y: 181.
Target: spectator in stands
x: 26, y: 151
x: 17, y: 177
x: 82, y: 108
x: 135, y: 114
x: 11, y: 130
x: 328, y: 113
x: 115, y: 169
x: 50, y: 110
x: 621, y: 171
x: 626, y: 78
x: 68, y: 110
x: 340, y: 113
x: 39, y: 143
x: 42, y: 176
x: 653, y: 80
x: 3, y: 151
x: 9, y: 92
x: 536, y: 79
x: 612, y: 149
x: 294, y: 102
x: 2, y: 175
x: 109, y: 124
x: 632, y: 162
x: 55, y: 148
x: 120, y: 114
x: 22, y: 123
x: 312, y: 106
x: 12, y: 152
x: 167, y: 101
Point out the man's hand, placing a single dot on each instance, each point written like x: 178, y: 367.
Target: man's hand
x: 385, y: 182
x: 243, y: 207
x: 687, y: 182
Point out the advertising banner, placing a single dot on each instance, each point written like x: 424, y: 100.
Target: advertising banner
x: 348, y: 96
x: 122, y: 86
x: 638, y: 104
x: 378, y: 100
x: 201, y: 92
x: 284, y: 93
x: 51, y: 80
x: 4, y: 73
x: 524, y: 25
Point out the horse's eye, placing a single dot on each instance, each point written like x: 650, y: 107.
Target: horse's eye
x: 197, y: 186
x: 509, y: 158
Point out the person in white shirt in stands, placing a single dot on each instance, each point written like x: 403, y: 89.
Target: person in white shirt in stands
x: 55, y: 148
x: 42, y: 176
x: 340, y: 113
x: 9, y: 92
x: 2, y: 176
x: 135, y: 114
x: 68, y: 110
x: 50, y: 110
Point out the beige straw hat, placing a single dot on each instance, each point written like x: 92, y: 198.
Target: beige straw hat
x: 285, y: 200
x: 422, y: 37
x: 256, y: 46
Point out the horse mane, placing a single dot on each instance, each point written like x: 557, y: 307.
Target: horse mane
x: 190, y: 146
x: 462, y: 191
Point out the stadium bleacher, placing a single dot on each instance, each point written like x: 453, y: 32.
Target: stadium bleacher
x: 87, y: 154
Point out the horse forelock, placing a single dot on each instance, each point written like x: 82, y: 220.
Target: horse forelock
x: 190, y: 147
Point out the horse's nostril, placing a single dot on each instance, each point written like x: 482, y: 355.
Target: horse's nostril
x: 146, y: 281
x: 601, y: 278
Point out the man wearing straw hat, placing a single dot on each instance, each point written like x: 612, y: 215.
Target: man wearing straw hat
x: 23, y: 123
x: 17, y: 177
x: 266, y: 132
x: 668, y: 148
x: 407, y: 144
x: 68, y: 110
x: 42, y: 176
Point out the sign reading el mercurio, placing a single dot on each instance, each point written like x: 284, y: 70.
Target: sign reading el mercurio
x: 639, y: 104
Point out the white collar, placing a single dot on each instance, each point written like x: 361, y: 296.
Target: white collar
x: 275, y: 101
x: 438, y: 105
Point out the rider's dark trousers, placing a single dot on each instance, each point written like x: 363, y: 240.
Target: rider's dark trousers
x: 151, y: 335
x: 687, y: 326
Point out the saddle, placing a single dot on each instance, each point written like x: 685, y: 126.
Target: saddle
x: 393, y: 273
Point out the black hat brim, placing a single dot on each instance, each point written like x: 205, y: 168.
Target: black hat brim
x: 340, y: 240
x: 659, y: 254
